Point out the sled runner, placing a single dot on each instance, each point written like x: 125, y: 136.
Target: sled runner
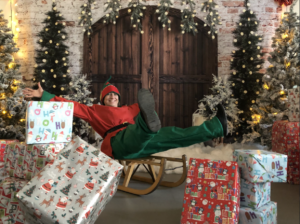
x: 131, y: 166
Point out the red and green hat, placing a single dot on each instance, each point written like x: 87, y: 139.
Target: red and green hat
x: 107, y: 88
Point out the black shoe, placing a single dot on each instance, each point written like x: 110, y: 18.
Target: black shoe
x: 147, y: 107
x: 221, y: 115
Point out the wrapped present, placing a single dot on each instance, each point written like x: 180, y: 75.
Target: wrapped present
x: 294, y: 96
x: 9, y: 206
x: 285, y: 140
x: 294, y: 114
x: 3, y: 143
x: 264, y: 215
x: 212, y: 192
x: 74, y: 188
x: 44, y: 154
x: 254, y: 195
x: 18, y: 160
x: 261, y: 166
x: 49, y: 122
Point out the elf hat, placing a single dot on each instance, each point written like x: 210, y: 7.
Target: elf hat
x: 107, y: 88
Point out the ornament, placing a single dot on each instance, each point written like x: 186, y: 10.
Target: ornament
x: 57, y: 44
x: 251, y: 59
x: 169, y: 29
x: 142, y: 32
x: 43, y: 80
x: 43, y: 71
x: 258, y: 66
x: 234, y: 73
x: 249, y: 42
x: 54, y: 86
x: 66, y: 52
x: 56, y: 23
x: 236, y: 102
x: 250, y: 73
x: 50, y: 41
x: 64, y: 23
x: 242, y: 33
x: 41, y: 40
x: 46, y: 52
x: 244, y: 51
x: 257, y: 80
x: 54, y: 76
x: 70, y: 83
x: 257, y: 92
x: 68, y: 70
x: 243, y: 81
x: 250, y: 108
x: 58, y: 31
x: 258, y: 56
x: 233, y: 52
x: 65, y: 64
x: 56, y: 61
x: 46, y: 29
x: 240, y: 24
x: 51, y: 70
x: 233, y: 84
x: 235, y: 40
x: 63, y: 58
x: 35, y: 65
x: 248, y: 19
x: 63, y: 37
x: 54, y: 8
x: 245, y: 91
x: 244, y: 10
x: 49, y: 17
x: 253, y: 101
x: 244, y: 66
x: 64, y: 76
x: 62, y: 88
x: 248, y: 4
x: 251, y: 12
x: 258, y: 47
x: 44, y: 60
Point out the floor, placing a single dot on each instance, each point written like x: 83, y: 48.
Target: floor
x: 163, y: 206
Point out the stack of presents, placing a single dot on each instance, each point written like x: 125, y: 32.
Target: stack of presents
x: 52, y: 178
x: 286, y: 134
x: 233, y: 192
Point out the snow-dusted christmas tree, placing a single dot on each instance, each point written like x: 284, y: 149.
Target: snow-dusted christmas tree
x: 221, y: 92
x: 282, y: 74
x: 245, y: 65
x: 12, y: 103
x: 79, y: 92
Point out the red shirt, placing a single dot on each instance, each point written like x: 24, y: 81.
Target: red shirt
x: 102, y: 118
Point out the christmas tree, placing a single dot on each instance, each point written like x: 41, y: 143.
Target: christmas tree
x: 79, y: 92
x: 52, y: 62
x: 246, y: 62
x: 12, y: 103
x: 73, y: 220
x: 282, y: 74
x: 105, y: 176
x: 29, y: 192
x: 66, y: 154
x: 221, y: 92
x: 66, y: 190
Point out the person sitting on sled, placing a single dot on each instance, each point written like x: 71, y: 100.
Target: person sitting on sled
x: 134, y: 131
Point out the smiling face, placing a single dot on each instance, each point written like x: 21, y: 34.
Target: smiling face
x: 111, y: 99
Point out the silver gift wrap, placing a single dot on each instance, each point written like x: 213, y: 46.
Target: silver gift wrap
x: 74, y: 188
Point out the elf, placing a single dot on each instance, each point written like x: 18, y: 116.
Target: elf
x: 135, y: 131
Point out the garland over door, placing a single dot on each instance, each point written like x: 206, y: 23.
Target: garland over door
x: 176, y: 68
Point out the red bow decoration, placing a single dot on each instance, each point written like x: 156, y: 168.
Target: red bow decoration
x: 285, y: 2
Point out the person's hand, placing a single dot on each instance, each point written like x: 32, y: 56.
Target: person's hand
x: 28, y: 93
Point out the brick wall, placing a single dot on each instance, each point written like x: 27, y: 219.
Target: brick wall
x: 32, y: 12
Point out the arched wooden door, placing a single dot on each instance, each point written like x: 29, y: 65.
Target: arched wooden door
x: 176, y: 68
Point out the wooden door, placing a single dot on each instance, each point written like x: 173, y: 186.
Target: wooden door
x: 176, y: 68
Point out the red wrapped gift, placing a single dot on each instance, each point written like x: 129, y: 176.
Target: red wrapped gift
x: 285, y: 140
x: 3, y: 143
x: 212, y: 192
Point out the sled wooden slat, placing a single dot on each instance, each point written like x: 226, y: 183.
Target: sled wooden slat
x: 155, y: 180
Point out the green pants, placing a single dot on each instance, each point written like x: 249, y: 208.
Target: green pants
x: 137, y: 141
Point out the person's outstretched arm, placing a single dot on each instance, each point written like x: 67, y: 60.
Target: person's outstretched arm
x: 80, y: 110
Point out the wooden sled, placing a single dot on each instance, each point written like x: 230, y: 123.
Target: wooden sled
x: 131, y: 166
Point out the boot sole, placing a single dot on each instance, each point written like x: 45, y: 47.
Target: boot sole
x: 147, y: 106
